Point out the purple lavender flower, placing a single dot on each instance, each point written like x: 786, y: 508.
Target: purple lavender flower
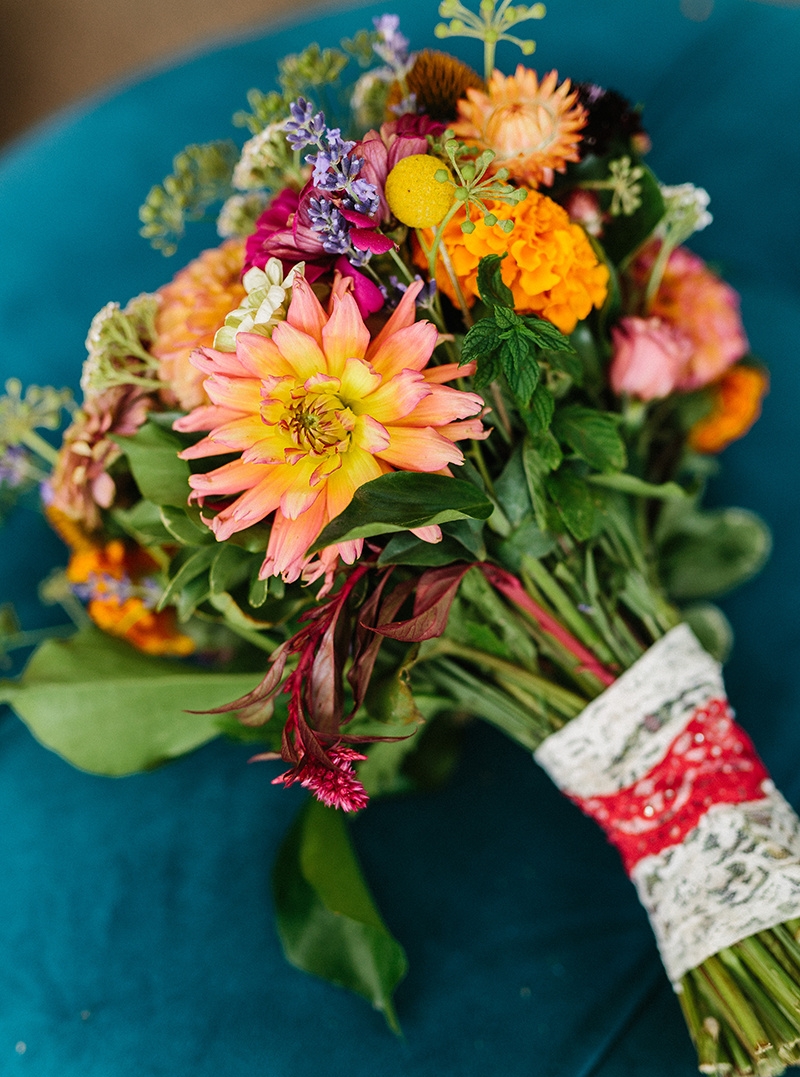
x: 304, y: 128
x: 392, y: 46
x: 328, y: 221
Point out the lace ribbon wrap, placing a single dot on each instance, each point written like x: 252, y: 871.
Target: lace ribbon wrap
x: 658, y: 761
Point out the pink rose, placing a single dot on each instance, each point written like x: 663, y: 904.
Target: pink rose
x: 700, y: 306
x: 650, y: 358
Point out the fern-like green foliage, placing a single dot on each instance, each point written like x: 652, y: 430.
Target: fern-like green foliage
x: 265, y: 108
x: 201, y: 176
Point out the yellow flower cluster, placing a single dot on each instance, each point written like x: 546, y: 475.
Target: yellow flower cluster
x: 550, y: 265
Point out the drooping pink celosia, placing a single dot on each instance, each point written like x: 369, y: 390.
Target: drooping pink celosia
x: 316, y: 411
x: 649, y: 359
x: 700, y: 305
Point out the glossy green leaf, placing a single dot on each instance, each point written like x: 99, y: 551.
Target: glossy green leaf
x: 540, y: 410
x: 109, y: 709
x: 326, y: 918
x: 230, y: 567
x: 184, y: 530
x: 592, y: 435
x: 402, y: 500
x: 162, y: 477
x: 492, y: 288
x: 573, y: 501
x: 185, y: 569
x: 143, y: 522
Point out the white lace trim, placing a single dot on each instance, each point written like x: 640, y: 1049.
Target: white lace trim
x: 623, y: 733
x: 736, y: 873
x: 738, y: 870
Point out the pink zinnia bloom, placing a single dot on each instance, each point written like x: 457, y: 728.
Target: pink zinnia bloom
x: 703, y: 308
x: 316, y: 411
x: 650, y: 357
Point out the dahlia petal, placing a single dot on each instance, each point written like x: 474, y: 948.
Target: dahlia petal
x: 260, y: 357
x: 409, y: 348
x: 348, y: 551
x: 301, y: 353
x: 423, y: 449
x: 254, y: 504
x: 397, y: 398
x: 210, y: 361
x: 369, y: 435
x: 448, y: 371
x: 239, y: 394
x: 442, y: 406
x: 204, y: 418
x: 404, y: 314
x: 358, y: 467
x: 305, y: 310
x: 359, y: 379
x: 289, y: 540
x: 467, y: 428
x: 207, y: 446
x: 432, y: 533
x: 300, y: 495
x: 345, y: 336
x: 231, y: 478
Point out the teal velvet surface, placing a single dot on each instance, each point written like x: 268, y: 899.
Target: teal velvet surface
x: 135, y: 914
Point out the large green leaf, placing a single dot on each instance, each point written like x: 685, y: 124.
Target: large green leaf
x: 109, y: 709
x: 710, y: 553
x: 160, y: 474
x: 325, y: 915
x: 402, y: 500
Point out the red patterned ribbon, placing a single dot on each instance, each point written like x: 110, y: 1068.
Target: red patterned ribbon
x: 712, y: 761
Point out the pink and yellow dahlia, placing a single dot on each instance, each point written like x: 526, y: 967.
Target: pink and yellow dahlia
x: 316, y: 411
x: 193, y: 307
x: 532, y: 127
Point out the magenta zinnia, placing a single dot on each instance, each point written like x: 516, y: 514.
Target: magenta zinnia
x: 316, y: 411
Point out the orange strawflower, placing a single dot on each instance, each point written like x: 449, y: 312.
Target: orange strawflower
x: 120, y: 590
x: 533, y: 127
x: 193, y: 307
x: 550, y: 267
x: 736, y: 404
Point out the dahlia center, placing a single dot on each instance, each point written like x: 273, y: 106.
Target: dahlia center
x: 317, y: 423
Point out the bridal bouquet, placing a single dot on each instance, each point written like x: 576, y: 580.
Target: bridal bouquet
x: 425, y: 438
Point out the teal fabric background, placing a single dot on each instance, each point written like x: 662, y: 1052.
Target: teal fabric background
x: 135, y: 919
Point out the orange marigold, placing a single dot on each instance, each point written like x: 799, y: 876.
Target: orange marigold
x: 551, y: 267
x: 193, y: 307
x: 533, y: 127
x: 117, y: 584
x: 736, y: 404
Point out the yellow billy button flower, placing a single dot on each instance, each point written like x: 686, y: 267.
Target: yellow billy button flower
x: 420, y: 190
x: 314, y: 412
